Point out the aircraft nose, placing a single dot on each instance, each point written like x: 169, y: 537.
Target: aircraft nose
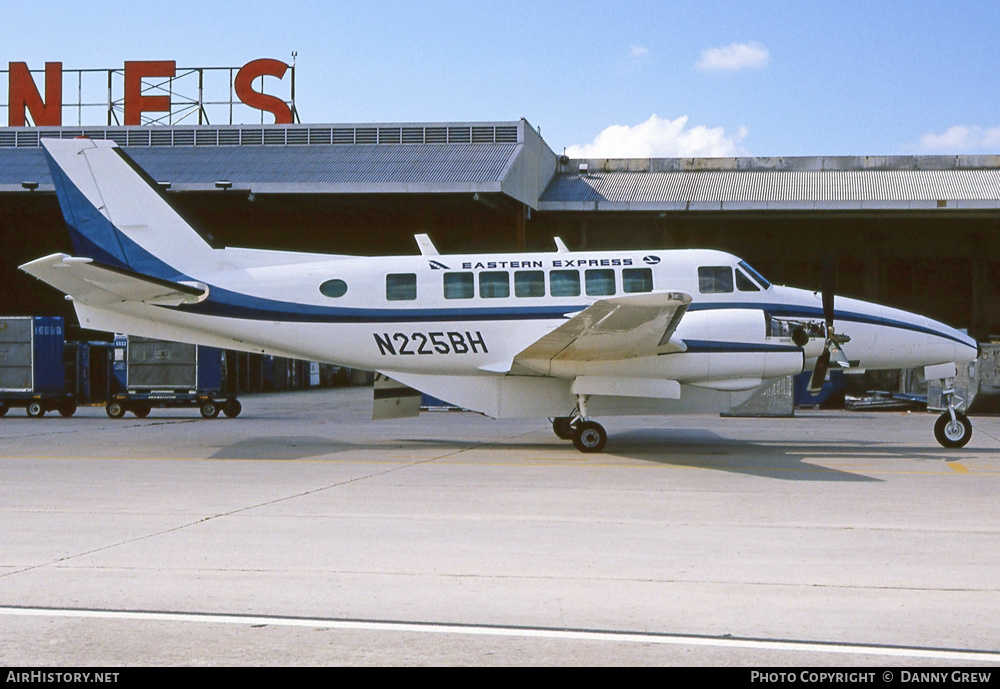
x: 965, y: 348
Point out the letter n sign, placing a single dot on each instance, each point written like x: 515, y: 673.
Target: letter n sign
x: 23, y: 95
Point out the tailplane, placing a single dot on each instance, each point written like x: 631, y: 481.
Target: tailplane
x: 117, y: 215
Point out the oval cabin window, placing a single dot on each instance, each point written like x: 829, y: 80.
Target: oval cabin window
x: 333, y: 288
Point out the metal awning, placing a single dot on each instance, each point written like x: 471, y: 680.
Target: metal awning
x: 796, y: 184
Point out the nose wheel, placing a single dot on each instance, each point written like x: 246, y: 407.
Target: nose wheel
x: 953, y: 428
x: 953, y: 433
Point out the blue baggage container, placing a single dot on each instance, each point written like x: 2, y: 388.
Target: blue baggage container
x: 32, y: 371
x: 147, y: 374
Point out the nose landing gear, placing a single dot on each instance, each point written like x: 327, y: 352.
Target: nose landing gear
x: 953, y: 428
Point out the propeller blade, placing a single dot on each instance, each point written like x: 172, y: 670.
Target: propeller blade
x: 819, y: 373
x: 840, y: 356
x: 828, y: 278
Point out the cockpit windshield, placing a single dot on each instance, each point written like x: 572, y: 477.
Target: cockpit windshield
x: 755, y: 275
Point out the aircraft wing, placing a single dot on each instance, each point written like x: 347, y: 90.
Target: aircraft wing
x: 97, y: 285
x: 634, y: 325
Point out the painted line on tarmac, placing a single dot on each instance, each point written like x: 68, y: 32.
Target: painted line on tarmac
x: 967, y: 655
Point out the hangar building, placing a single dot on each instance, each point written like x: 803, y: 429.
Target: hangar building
x: 918, y: 232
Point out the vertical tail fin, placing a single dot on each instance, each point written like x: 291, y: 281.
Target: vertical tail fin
x: 117, y: 215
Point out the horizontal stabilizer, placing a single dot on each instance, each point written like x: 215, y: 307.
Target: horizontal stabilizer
x: 95, y: 284
x: 633, y: 325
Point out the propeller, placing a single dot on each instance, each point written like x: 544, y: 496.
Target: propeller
x: 833, y: 341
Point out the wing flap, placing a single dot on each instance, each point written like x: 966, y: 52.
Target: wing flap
x: 95, y: 284
x: 630, y: 326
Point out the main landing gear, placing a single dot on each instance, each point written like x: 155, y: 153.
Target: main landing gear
x: 587, y: 436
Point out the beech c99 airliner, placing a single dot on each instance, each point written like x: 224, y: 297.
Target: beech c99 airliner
x: 566, y: 335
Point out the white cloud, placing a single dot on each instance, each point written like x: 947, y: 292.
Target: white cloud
x: 751, y: 55
x: 661, y: 138
x: 963, y: 139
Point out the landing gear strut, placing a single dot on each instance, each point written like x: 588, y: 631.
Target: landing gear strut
x: 953, y: 428
x: 587, y: 436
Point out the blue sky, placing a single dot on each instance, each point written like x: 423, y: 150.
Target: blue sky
x: 776, y: 78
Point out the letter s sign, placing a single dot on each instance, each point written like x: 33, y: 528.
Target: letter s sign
x: 255, y: 99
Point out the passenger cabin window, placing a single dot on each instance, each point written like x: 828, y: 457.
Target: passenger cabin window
x: 564, y: 283
x: 401, y: 286
x: 745, y: 284
x: 459, y: 286
x: 529, y: 283
x: 494, y: 285
x: 637, y: 280
x: 715, y: 279
x: 333, y: 288
x: 600, y: 282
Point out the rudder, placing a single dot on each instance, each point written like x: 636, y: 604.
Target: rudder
x: 117, y: 215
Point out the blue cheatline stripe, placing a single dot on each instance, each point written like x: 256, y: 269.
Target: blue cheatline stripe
x: 712, y: 346
x: 228, y: 304
x: 815, y: 312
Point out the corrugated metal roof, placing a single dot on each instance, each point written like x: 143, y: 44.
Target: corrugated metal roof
x: 438, y: 167
x: 748, y: 189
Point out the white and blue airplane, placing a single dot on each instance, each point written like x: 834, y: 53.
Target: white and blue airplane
x: 567, y: 335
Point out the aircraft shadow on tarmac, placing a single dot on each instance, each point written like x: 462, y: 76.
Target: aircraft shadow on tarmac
x: 289, y: 447
x: 689, y: 447
x: 703, y: 449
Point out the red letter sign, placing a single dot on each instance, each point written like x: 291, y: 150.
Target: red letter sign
x: 135, y: 102
x: 244, y: 88
x: 22, y: 93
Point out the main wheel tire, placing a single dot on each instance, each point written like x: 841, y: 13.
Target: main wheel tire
x: 115, y: 409
x: 66, y: 409
x: 590, y: 436
x: 953, y: 434
x: 562, y: 427
x: 35, y: 410
x: 3, y: 409
x: 209, y: 409
x: 232, y: 408
x: 141, y: 411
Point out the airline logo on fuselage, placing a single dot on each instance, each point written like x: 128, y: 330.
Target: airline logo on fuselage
x: 552, y: 263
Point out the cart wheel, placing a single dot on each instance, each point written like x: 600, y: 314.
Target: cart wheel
x: 141, y: 410
x: 35, y: 410
x: 232, y: 408
x: 114, y: 409
x: 210, y: 409
x: 66, y: 408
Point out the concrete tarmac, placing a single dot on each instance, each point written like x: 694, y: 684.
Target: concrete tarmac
x: 302, y: 533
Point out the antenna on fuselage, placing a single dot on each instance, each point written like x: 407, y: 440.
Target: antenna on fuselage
x: 425, y: 245
x: 560, y: 245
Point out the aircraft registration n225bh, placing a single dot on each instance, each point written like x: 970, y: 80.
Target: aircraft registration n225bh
x: 566, y: 335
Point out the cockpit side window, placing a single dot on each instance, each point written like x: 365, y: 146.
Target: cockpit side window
x: 745, y: 284
x: 715, y: 279
x: 760, y: 279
